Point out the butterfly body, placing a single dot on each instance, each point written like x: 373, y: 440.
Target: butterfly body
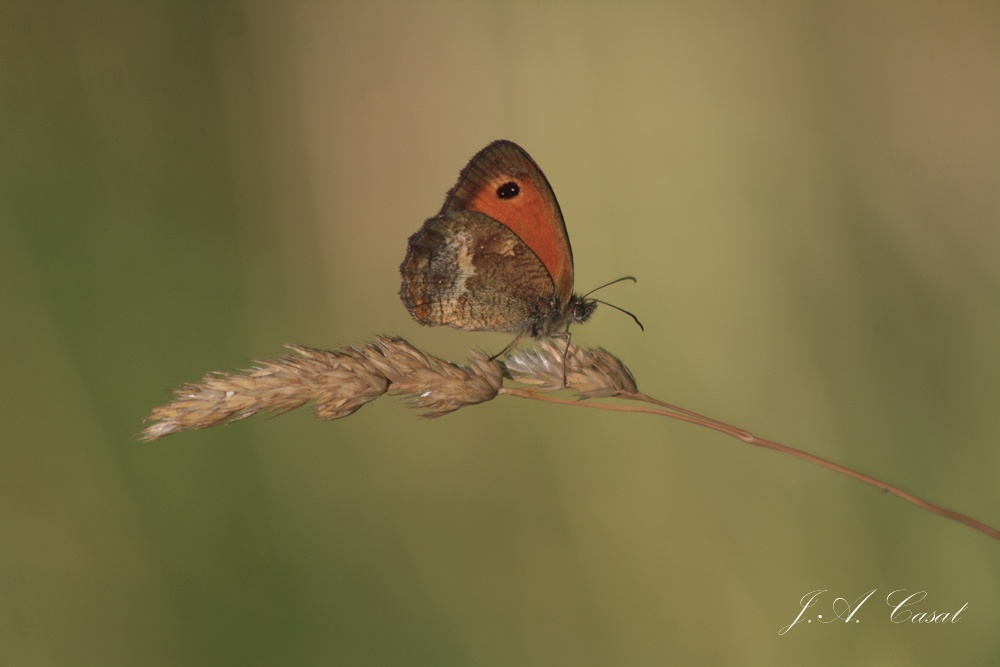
x: 497, y: 256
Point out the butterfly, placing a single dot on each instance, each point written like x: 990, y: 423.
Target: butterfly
x: 497, y: 256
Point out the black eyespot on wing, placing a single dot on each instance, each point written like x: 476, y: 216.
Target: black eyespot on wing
x: 508, y: 190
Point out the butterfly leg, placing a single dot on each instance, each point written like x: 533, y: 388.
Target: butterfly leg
x: 569, y: 337
x: 510, y: 346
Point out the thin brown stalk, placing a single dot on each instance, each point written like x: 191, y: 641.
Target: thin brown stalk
x: 749, y: 438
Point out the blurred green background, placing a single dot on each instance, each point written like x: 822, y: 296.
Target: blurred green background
x: 808, y: 192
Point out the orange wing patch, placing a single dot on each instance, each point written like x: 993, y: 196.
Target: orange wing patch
x: 532, y: 213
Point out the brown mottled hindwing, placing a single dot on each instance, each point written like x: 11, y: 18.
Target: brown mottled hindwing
x: 467, y: 270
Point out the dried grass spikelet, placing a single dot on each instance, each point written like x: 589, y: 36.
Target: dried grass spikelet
x: 338, y: 382
x: 594, y: 373
x: 430, y: 383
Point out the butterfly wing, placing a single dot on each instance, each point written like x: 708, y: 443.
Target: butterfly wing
x: 469, y: 271
x: 529, y: 208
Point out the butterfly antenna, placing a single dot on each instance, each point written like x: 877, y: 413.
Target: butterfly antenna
x: 622, y: 310
x: 613, y: 282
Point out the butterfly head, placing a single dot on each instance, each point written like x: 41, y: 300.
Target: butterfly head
x: 558, y: 319
x: 582, y: 309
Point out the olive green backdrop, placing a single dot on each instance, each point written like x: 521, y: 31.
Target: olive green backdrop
x: 808, y: 192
